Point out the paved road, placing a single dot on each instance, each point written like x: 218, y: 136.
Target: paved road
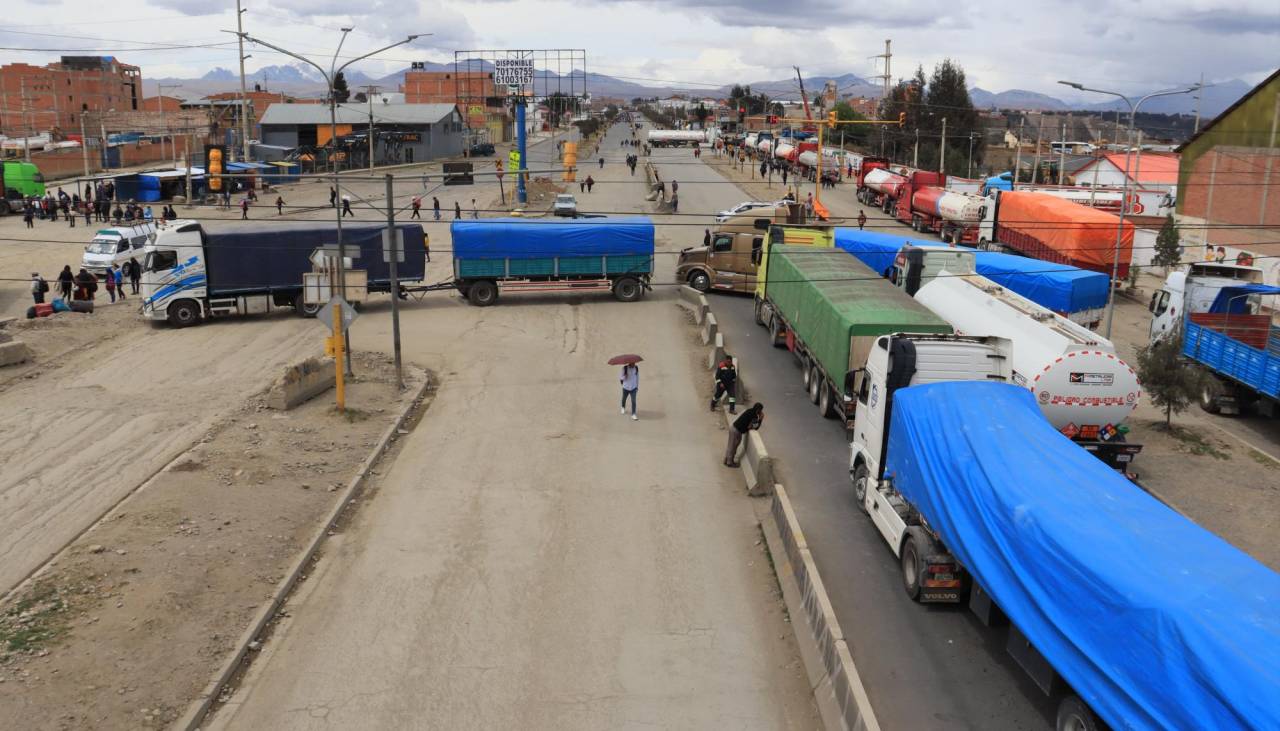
x: 534, y: 559
x: 924, y: 667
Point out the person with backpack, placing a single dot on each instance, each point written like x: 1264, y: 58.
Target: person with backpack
x: 110, y: 280
x: 726, y: 383
x: 417, y: 207
x: 38, y: 288
x: 86, y: 286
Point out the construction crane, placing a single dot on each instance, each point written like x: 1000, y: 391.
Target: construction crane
x: 808, y: 115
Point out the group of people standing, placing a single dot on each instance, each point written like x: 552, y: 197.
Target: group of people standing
x: 83, y: 285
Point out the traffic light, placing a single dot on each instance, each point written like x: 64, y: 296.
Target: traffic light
x: 742, y: 114
x: 902, y: 118
x: 771, y: 119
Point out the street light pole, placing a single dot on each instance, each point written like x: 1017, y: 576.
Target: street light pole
x: 244, y: 94
x: 329, y: 76
x: 1124, y: 189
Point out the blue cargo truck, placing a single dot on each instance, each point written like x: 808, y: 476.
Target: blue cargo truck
x: 192, y: 272
x: 1237, y: 343
x: 533, y: 255
x: 1126, y: 613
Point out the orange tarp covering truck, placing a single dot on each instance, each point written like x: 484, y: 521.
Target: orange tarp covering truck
x: 1053, y: 229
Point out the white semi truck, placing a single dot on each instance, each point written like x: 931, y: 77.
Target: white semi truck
x: 1083, y: 388
x: 677, y: 137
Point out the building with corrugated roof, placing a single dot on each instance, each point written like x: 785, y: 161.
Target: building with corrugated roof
x: 403, y: 133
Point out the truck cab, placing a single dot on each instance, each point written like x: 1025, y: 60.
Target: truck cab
x: 1193, y: 291
x: 895, y: 362
x: 174, y: 274
x: 915, y: 266
x: 729, y: 263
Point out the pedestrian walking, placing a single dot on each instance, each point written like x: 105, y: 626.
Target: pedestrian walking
x: 675, y: 202
x: 346, y: 206
x: 582, y: 186
x: 808, y: 203
x: 706, y: 237
x: 117, y: 275
x: 435, y: 207
x: 29, y: 215
x: 630, y: 380
x: 726, y: 383
x: 862, y: 219
x: 38, y: 288
x: 457, y: 210
x: 86, y: 285
x: 66, y: 281
x: 147, y: 215
x: 602, y: 163
x: 474, y: 212
x: 135, y: 274
x: 590, y: 183
x: 279, y: 205
x: 226, y: 199
x: 417, y: 207
x: 244, y: 209
x: 750, y: 419
x: 333, y: 197
x: 109, y: 279
x: 87, y: 210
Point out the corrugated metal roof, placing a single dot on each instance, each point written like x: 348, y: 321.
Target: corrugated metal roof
x: 1150, y: 167
x: 357, y: 113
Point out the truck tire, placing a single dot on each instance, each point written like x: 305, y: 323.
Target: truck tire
x: 305, y: 310
x: 627, y: 289
x: 1075, y: 715
x: 806, y: 371
x: 759, y: 312
x: 1209, y: 397
x: 184, y: 313
x: 815, y: 384
x: 776, y: 331
x: 826, y: 402
x: 700, y: 281
x: 915, y: 223
x: 912, y: 568
x: 482, y: 293
x: 861, y: 481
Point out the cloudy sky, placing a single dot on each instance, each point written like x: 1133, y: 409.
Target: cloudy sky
x: 1132, y: 46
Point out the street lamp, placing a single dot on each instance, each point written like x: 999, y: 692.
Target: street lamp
x: 1124, y: 191
x: 329, y: 76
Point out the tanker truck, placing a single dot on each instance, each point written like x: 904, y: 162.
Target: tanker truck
x: 1083, y: 388
x: 953, y: 216
x: 880, y: 188
x: 901, y: 207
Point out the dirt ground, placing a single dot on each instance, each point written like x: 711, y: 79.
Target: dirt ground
x: 132, y: 620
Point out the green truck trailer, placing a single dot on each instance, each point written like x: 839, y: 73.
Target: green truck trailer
x: 828, y: 308
x: 19, y: 180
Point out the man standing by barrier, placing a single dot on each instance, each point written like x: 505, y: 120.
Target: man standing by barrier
x: 750, y: 419
x: 726, y: 383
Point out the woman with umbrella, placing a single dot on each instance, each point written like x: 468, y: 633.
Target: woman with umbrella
x: 630, y: 380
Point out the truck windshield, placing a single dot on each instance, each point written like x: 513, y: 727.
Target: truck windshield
x: 160, y: 261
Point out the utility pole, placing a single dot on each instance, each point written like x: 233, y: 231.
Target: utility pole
x: 84, y: 145
x: 1199, y: 93
x: 394, y: 244
x: 173, y: 146
x: 942, y: 151
x: 244, y: 93
x: 1035, y: 170
x: 1017, y: 155
x: 369, y: 91
x: 915, y: 152
x: 1062, y: 154
x: 187, y: 148
x: 887, y: 76
x: 970, y: 173
x: 26, y: 136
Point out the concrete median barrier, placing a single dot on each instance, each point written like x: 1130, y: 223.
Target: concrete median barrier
x: 717, y: 351
x: 709, y: 328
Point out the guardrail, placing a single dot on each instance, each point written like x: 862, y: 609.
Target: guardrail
x: 837, y: 688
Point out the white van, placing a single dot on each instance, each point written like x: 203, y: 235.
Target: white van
x: 116, y: 245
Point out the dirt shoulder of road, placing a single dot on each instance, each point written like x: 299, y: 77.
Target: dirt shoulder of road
x: 128, y: 624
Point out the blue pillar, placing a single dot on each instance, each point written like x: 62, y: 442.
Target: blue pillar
x: 521, y: 195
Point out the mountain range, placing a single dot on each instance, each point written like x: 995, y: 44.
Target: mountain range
x: 302, y: 80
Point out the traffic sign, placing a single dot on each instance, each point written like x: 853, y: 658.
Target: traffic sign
x: 513, y: 160
x: 346, y: 314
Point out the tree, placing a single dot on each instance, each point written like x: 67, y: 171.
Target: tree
x: 360, y: 97
x: 610, y: 112
x: 855, y: 133
x: 1168, y: 252
x: 702, y: 113
x: 340, y: 91
x: 1171, y: 384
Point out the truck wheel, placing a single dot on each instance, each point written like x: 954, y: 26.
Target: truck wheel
x: 815, y: 384
x: 915, y: 223
x: 700, y: 281
x: 759, y: 313
x: 776, y: 331
x: 1075, y: 715
x: 305, y: 310
x: 861, y: 480
x: 912, y: 567
x: 806, y: 372
x: 1209, y: 398
x: 482, y: 293
x: 184, y: 313
x: 627, y: 289
x: 826, y: 403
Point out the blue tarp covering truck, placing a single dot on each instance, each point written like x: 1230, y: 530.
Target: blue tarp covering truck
x: 1077, y: 294
x: 533, y: 255
x: 1116, y: 605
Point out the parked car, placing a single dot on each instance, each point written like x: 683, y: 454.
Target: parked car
x: 565, y: 205
x: 725, y: 215
x: 481, y: 149
x: 116, y: 245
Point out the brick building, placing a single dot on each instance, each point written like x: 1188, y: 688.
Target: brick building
x: 481, y: 103
x: 35, y: 99
x: 1229, y: 180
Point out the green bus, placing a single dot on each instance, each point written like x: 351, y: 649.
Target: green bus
x: 19, y: 180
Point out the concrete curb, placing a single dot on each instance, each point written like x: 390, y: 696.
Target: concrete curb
x: 199, y: 708
x: 837, y: 688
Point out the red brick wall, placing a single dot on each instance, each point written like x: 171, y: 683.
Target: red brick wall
x: 1233, y: 185
x: 61, y: 164
x: 446, y: 87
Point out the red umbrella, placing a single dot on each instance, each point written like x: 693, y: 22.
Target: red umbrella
x: 627, y: 359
